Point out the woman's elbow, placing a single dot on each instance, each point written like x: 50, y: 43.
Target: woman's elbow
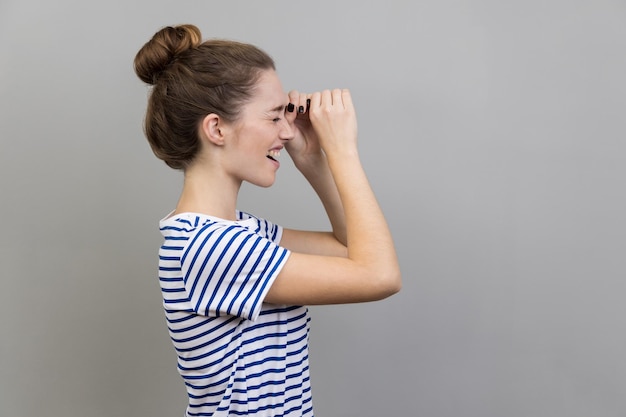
x: 390, y: 283
x: 395, y: 283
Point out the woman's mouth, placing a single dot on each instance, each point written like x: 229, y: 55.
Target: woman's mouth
x: 273, y: 154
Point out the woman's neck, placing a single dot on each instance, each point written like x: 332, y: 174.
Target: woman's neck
x: 209, y: 193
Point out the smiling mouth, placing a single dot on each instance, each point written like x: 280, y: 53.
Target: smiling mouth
x: 273, y: 155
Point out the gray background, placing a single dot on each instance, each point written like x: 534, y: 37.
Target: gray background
x: 492, y: 131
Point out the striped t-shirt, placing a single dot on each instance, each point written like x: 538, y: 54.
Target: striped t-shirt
x: 237, y: 355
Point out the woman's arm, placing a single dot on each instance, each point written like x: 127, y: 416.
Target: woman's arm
x: 310, y: 160
x: 318, y: 174
x: 370, y: 271
x: 333, y: 243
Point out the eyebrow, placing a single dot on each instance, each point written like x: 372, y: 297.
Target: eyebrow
x: 278, y: 108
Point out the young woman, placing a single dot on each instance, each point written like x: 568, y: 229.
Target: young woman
x: 234, y: 285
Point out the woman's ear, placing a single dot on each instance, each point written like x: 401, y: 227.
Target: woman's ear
x: 211, y: 128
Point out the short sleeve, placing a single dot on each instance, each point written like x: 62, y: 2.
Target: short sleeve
x: 228, y: 269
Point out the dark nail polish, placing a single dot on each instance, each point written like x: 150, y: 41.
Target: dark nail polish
x: 301, y: 109
x: 308, y: 104
x: 290, y: 107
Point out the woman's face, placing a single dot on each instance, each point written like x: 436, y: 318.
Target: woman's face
x: 259, y: 135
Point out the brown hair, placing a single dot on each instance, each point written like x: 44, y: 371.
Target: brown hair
x: 191, y: 79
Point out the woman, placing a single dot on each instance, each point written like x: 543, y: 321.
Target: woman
x: 234, y: 285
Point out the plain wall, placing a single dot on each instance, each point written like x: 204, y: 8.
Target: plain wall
x: 492, y: 132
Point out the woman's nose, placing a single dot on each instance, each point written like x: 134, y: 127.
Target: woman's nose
x: 287, y: 131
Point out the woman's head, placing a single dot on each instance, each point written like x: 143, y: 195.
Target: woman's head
x: 190, y: 80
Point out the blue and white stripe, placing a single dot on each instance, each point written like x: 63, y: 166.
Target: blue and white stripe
x: 236, y: 354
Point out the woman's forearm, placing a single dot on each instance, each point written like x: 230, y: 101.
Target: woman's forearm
x: 369, y: 239
x: 318, y: 174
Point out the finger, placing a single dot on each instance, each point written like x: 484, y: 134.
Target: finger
x: 292, y: 106
x: 327, y: 100
x: 302, y: 106
x: 294, y: 96
x: 347, y: 99
x: 315, y: 100
x: 337, y: 99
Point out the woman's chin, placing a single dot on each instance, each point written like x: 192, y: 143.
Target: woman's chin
x: 264, y: 182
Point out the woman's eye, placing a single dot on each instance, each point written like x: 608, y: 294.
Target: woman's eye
x: 276, y: 120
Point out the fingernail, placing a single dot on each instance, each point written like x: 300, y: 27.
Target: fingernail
x: 301, y: 109
x: 308, y: 104
x: 290, y: 107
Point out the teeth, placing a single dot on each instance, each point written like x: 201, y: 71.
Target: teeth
x: 274, y: 154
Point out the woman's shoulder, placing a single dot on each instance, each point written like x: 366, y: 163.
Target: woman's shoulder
x: 191, y: 223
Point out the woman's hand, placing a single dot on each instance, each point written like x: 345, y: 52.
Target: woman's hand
x: 322, y: 121
x: 304, y: 148
x: 306, y: 152
x: 361, y: 263
x: 333, y: 117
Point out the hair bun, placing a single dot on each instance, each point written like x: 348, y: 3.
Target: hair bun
x: 163, y: 49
